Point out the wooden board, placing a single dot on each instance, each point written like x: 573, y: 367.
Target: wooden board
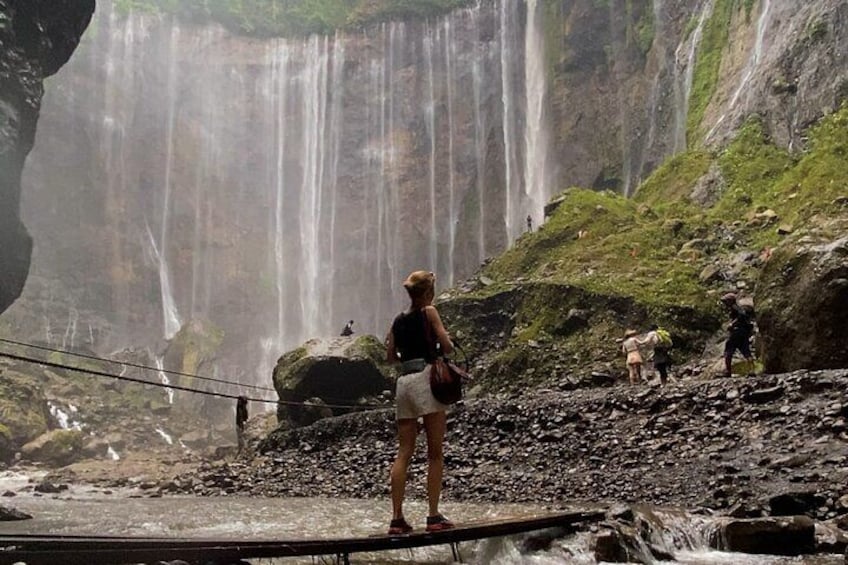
x: 111, y: 550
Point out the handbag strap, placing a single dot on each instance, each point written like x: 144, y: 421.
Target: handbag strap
x: 431, y: 343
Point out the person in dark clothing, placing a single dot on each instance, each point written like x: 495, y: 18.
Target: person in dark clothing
x: 529, y: 222
x: 241, y: 420
x: 662, y: 358
x: 348, y: 329
x: 740, y: 329
x: 413, y: 340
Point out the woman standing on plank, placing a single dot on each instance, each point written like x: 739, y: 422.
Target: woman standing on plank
x: 412, y: 340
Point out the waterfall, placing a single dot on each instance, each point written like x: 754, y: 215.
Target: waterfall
x: 70, y: 336
x: 450, y: 55
x: 479, y: 154
x: 171, y: 317
x: 750, y: 66
x: 169, y: 308
x: 536, y: 180
x: 279, y: 187
x: 63, y: 418
x: 430, y: 112
x: 278, y: 96
x: 165, y: 436
x: 163, y: 378
x: 313, y: 152
x: 511, y: 214
x: 684, y: 73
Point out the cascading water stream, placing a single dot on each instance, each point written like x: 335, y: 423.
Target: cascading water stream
x: 536, y: 182
x: 750, y: 66
x: 684, y: 74
x: 511, y: 215
x: 163, y: 378
x: 171, y: 315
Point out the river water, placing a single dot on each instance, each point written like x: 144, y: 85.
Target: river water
x: 86, y: 511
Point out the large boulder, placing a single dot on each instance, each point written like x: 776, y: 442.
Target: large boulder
x: 8, y: 514
x: 791, y: 535
x: 330, y: 377
x: 37, y: 37
x: 24, y: 413
x: 194, y: 350
x: 802, y: 299
x: 57, y: 448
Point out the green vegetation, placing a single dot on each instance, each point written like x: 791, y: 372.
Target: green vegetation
x: 292, y: 17
x: 607, y: 244
x: 649, y: 252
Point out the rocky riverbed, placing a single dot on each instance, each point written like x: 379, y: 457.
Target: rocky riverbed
x: 774, y: 444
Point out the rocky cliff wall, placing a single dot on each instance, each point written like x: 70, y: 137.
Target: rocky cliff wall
x: 36, y: 38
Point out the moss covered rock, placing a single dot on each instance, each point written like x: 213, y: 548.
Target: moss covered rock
x: 330, y: 377
x: 23, y: 408
x: 57, y: 448
x: 193, y: 351
x: 802, y: 301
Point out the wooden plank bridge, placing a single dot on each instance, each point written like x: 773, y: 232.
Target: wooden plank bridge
x: 108, y: 550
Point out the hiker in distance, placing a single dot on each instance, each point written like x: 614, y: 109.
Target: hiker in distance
x: 740, y: 329
x: 413, y: 339
x: 630, y: 348
x: 241, y: 420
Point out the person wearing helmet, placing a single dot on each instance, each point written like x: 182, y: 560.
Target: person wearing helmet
x: 740, y: 329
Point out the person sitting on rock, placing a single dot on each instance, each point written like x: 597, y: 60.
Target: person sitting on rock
x: 348, y: 329
x: 740, y: 329
x: 630, y: 347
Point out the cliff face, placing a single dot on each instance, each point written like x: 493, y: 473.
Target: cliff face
x: 281, y: 187
x: 36, y: 38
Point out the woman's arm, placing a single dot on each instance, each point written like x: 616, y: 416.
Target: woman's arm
x: 439, y: 329
x: 391, y: 350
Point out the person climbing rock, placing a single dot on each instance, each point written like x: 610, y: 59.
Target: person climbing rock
x: 348, y: 329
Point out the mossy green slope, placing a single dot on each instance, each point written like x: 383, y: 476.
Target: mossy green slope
x: 606, y: 243
x: 292, y: 17
x: 651, y: 250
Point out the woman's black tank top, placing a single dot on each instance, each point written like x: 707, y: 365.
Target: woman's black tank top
x: 409, y: 330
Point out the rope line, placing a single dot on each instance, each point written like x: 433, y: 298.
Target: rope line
x: 25, y: 359
x: 134, y: 365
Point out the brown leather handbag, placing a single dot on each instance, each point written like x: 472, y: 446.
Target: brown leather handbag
x: 446, y: 377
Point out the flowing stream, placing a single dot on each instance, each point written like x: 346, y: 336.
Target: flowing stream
x: 85, y: 511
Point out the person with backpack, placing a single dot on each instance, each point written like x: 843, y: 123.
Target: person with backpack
x: 740, y: 329
x: 662, y: 352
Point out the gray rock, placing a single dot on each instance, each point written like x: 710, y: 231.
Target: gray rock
x: 8, y: 514
x: 793, y: 535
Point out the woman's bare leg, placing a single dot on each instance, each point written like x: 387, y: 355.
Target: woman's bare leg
x: 407, y: 431
x: 435, y: 424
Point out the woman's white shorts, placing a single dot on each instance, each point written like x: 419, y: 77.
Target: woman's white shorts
x: 413, y: 397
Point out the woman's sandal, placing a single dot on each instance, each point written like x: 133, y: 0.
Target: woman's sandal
x: 399, y: 526
x: 438, y: 523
